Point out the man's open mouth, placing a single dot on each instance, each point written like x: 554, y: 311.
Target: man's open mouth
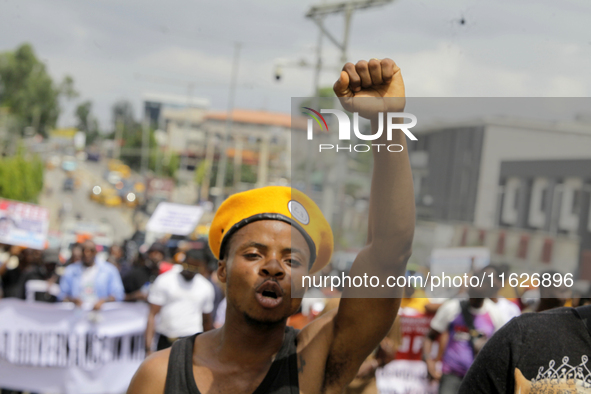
x: 269, y: 294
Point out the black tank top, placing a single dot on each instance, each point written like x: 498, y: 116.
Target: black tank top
x: 282, y: 377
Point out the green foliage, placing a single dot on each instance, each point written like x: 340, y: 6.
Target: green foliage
x: 83, y: 115
x: 248, y: 174
x: 131, y: 134
x: 21, y: 178
x: 87, y: 122
x: 163, y: 163
x: 29, y: 92
x: 169, y: 163
x: 201, y: 171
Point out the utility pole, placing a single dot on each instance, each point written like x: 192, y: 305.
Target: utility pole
x: 332, y: 195
x: 221, y: 175
x: 145, y: 143
x: 318, y: 12
x: 118, y: 135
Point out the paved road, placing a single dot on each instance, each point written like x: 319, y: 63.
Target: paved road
x: 78, y: 202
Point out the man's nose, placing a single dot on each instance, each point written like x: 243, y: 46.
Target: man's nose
x: 273, y: 268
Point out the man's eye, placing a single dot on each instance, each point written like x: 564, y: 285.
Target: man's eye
x: 294, y: 263
x: 251, y: 255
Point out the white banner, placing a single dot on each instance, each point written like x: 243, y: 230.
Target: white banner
x: 57, y: 348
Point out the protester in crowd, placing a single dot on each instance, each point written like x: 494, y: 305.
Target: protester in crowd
x: 552, y: 296
x: 469, y: 324
x: 266, y: 237
x: 137, y: 281
x: 508, y: 308
x: 544, y: 352
x: 157, y: 256
x: 116, y: 256
x: 76, y: 254
x: 401, y: 365
x: 210, y: 273
x: 41, y: 283
x: 91, y: 282
x: 4, y: 252
x: 14, y: 277
x: 181, y: 303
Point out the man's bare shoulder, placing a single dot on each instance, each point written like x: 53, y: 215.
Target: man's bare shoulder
x: 150, y: 378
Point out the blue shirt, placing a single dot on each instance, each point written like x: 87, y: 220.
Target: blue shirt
x: 107, y: 281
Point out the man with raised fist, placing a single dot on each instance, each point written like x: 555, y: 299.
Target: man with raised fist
x: 265, y: 240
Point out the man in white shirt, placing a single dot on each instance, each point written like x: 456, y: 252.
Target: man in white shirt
x: 181, y: 302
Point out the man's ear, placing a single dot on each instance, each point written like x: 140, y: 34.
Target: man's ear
x: 222, y: 271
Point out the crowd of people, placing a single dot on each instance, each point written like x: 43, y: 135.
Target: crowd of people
x: 430, y: 348
x: 176, y: 282
x: 434, y: 342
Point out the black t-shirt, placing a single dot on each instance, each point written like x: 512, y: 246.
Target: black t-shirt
x: 13, y: 283
x: 136, y: 278
x: 545, y: 352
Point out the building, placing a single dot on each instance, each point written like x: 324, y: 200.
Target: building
x: 180, y: 117
x: 519, y: 187
x: 259, y: 139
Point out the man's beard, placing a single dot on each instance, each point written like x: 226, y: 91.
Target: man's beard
x: 263, y: 323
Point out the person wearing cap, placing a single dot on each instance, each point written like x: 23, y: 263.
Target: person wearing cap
x: 266, y: 240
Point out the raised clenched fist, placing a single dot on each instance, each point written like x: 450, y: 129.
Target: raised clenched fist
x: 371, y: 87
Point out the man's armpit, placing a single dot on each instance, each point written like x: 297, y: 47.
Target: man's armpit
x: 336, y: 372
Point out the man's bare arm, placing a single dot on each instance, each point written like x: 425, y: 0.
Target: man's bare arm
x: 154, y: 310
x: 361, y: 323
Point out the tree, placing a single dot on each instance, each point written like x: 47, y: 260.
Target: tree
x: 87, y: 122
x: 21, y: 178
x: 122, y: 112
x: 29, y: 91
x: 131, y: 134
x: 83, y: 114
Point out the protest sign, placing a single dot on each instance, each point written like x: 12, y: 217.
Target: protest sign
x: 178, y: 219
x: 23, y: 224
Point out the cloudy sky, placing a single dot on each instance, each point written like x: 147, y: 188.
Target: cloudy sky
x: 121, y: 49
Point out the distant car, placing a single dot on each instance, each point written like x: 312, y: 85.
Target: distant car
x: 93, y: 156
x: 113, y: 177
x: 53, y: 162
x: 69, y: 163
x: 110, y: 198
x: 69, y: 185
x: 95, y: 193
x: 131, y: 200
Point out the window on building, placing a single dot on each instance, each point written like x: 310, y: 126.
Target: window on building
x: 576, y: 207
